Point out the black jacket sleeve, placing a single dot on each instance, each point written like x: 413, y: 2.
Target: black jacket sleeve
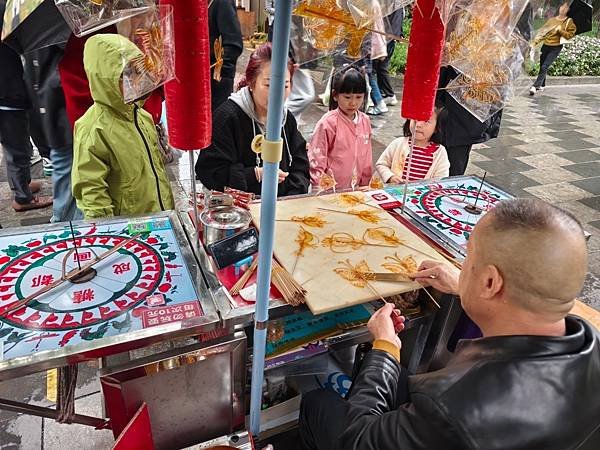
x: 220, y: 164
x: 298, y: 179
x: 375, y: 422
x: 224, y: 18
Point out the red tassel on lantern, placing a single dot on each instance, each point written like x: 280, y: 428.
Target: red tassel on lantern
x: 423, y: 63
x: 188, y: 96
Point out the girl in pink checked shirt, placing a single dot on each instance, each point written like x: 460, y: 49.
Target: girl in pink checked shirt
x: 341, y: 144
x: 429, y: 160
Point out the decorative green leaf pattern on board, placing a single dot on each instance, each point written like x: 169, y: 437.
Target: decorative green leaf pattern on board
x: 49, y: 237
x: 89, y: 335
x: 169, y: 256
x: 14, y: 250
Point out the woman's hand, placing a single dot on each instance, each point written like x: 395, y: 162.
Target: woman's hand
x: 386, y: 323
x: 395, y: 179
x: 281, y: 175
x: 438, y: 275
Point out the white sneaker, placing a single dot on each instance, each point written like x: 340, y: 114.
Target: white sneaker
x: 48, y: 167
x: 374, y: 111
x: 35, y: 156
x: 541, y: 89
x: 532, y: 90
x: 390, y: 101
x: 382, y: 106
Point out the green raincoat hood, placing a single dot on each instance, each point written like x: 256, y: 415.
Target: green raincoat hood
x: 117, y: 163
x: 104, y: 58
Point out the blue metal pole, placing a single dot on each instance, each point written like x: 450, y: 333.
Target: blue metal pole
x: 281, y: 38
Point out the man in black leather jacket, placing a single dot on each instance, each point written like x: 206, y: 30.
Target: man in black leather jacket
x: 532, y: 381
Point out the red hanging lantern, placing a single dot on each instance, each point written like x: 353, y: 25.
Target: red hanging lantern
x: 425, y: 48
x: 188, y: 96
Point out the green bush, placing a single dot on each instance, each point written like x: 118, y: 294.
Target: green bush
x: 398, y: 59
x: 579, y: 58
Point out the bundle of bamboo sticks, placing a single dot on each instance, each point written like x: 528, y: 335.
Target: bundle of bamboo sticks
x: 239, y: 285
x: 293, y: 293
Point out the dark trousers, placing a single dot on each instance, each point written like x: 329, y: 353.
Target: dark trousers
x: 14, y: 137
x: 547, y: 57
x: 220, y: 92
x: 382, y: 69
x: 323, y: 415
x: 36, y: 131
x: 459, y: 159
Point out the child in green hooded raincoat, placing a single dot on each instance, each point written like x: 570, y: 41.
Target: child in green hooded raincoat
x: 117, y: 164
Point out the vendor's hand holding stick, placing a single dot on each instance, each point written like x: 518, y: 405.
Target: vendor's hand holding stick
x: 386, y: 323
x: 440, y: 276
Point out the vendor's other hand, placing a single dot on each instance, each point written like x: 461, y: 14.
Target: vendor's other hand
x: 282, y: 175
x: 386, y: 323
x: 395, y: 179
x: 440, y: 276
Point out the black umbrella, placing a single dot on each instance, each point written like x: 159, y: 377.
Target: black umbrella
x: 581, y: 13
x: 32, y: 24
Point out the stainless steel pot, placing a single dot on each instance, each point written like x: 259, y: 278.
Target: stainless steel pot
x: 222, y: 222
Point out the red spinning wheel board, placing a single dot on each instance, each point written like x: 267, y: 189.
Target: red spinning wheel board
x: 123, y: 281
x: 447, y: 205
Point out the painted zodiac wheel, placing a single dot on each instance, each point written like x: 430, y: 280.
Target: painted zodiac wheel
x: 123, y: 280
x: 448, y: 206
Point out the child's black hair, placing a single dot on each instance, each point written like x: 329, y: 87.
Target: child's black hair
x: 438, y: 135
x: 347, y: 81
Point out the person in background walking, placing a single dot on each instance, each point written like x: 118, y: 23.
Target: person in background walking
x: 462, y: 129
x: 49, y: 110
x: 303, y: 88
x: 270, y: 12
x: 378, y: 53
x: 14, y: 133
x: 223, y: 23
x: 381, y: 67
x: 551, y: 35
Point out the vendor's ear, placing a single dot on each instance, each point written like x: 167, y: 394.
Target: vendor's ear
x: 494, y: 282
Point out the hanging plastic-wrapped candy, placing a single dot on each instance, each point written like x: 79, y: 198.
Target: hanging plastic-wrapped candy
x: 367, y: 12
x: 485, y: 47
x: 485, y: 87
x: 86, y: 16
x: 152, y: 32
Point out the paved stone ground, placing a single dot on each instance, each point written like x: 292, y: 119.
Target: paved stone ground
x: 549, y: 148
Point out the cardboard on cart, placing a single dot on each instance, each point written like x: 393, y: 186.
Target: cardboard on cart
x: 315, y: 269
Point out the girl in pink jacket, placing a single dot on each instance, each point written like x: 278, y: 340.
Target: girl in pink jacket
x: 341, y: 144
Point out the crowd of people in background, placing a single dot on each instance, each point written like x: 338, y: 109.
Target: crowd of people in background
x: 67, y: 97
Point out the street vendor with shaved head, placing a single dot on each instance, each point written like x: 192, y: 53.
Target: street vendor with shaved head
x: 531, y: 382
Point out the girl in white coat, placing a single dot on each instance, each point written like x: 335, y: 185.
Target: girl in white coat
x: 429, y: 160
